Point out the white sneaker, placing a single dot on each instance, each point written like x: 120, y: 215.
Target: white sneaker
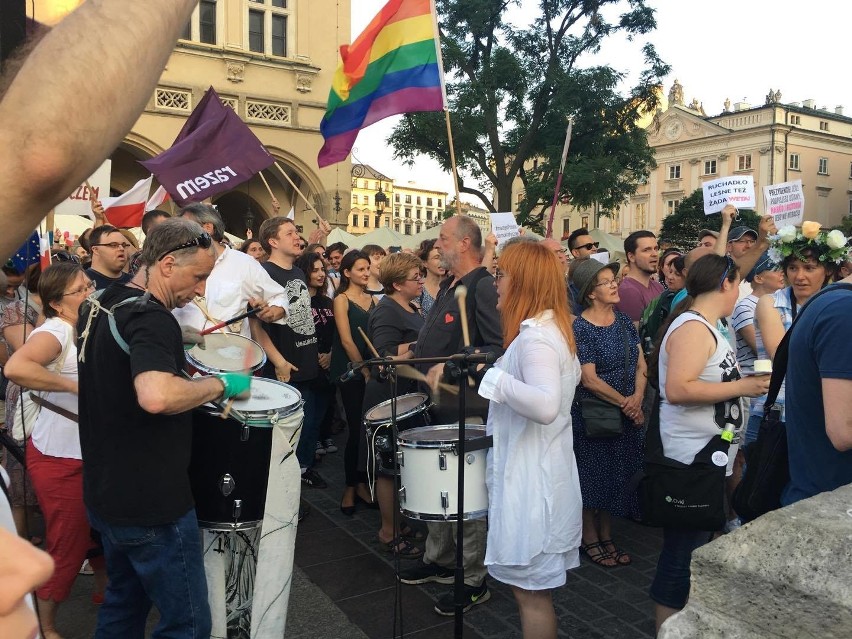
x: 320, y: 450
x: 86, y: 569
x: 329, y: 445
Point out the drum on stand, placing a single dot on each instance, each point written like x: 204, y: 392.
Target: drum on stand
x: 229, y: 469
x: 226, y: 353
x: 428, y: 463
x: 411, y: 412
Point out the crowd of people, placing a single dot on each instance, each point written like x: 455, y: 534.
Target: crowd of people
x: 584, y: 357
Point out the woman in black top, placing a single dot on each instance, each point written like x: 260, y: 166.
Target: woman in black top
x: 323, y: 314
x: 393, y: 328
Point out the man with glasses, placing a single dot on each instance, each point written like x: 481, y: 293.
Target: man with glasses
x: 109, y: 255
x: 582, y: 244
x: 741, y: 241
x: 136, y: 438
x: 560, y: 251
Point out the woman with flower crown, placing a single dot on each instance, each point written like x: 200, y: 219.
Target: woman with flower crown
x: 809, y: 259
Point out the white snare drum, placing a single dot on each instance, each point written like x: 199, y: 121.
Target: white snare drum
x: 407, y: 406
x: 226, y: 352
x: 429, y: 474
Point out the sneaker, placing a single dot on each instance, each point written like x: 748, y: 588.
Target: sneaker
x: 473, y: 596
x: 424, y: 573
x: 86, y: 569
x: 329, y: 445
x: 312, y: 479
x: 321, y: 450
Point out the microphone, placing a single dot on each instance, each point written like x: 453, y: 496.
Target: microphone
x: 349, y: 374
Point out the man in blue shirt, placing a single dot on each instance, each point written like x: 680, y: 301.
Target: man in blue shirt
x: 819, y: 397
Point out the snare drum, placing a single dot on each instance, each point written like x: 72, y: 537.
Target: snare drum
x: 229, y: 469
x: 411, y: 412
x: 226, y: 352
x: 429, y: 474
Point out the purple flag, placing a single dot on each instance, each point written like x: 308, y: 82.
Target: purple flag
x: 214, y: 152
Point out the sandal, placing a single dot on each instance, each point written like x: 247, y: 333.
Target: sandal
x: 621, y: 557
x: 598, y: 554
x: 400, y: 546
x: 410, y: 533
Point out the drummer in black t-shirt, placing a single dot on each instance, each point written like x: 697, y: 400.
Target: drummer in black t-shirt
x: 136, y: 435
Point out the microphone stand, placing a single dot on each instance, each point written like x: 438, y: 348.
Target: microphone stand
x: 463, y: 360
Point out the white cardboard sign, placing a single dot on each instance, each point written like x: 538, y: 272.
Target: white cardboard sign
x: 785, y: 202
x: 737, y: 190
x: 77, y: 203
x: 504, y: 226
x: 601, y: 256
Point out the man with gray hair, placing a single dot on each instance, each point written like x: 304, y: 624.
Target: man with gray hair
x: 237, y: 281
x: 136, y: 437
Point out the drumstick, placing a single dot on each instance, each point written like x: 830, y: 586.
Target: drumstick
x: 233, y: 320
x: 368, y: 343
x: 461, y: 298
x: 404, y: 370
x: 247, y: 357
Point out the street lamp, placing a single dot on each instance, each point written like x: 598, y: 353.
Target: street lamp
x: 381, y: 200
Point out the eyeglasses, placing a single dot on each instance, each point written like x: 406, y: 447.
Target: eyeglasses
x: 115, y: 245
x: 612, y: 282
x: 727, y: 270
x: 66, y: 257
x: 589, y: 246
x: 88, y: 287
x: 561, y: 251
x: 416, y: 278
x: 202, y: 241
x: 499, y: 275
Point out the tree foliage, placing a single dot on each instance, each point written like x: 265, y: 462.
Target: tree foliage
x: 511, y: 90
x: 683, y: 226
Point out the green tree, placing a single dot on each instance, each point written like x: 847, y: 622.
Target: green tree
x: 511, y: 89
x: 683, y: 226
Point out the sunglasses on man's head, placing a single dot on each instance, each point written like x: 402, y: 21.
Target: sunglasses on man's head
x: 202, y: 241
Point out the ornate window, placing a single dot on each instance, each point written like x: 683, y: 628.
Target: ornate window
x: 268, y: 112
x: 709, y: 167
x: 202, y: 25
x: 173, y: 99
x: 743, y: 162
x: 674, y: 171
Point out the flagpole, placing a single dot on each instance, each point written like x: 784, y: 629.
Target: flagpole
x: 440, y: 60
x: 559, y: 177
x: 287, y: 177
x: 266, y: 184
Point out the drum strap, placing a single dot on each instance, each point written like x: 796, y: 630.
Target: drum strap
x: 94, y: 309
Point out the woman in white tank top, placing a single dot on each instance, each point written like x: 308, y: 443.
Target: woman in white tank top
x: 700, y: 393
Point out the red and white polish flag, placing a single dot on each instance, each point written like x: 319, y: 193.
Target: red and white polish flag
x: 160, y: 196
x: 126, y: 210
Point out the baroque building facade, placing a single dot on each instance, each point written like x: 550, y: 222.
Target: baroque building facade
x: 272, y: 61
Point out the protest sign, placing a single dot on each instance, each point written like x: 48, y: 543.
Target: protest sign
x: 737, y: 190
x: 785, y: 202
x: 504, y: 226
x: 601, y: 256
x: 77, y: 203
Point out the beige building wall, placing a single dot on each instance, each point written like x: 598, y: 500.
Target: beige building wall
x: 773, y: 143
x: 366, y: 213
x: 280, y: 92
x: 416, y: 208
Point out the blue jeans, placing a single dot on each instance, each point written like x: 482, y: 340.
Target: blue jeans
x: 670, y: 587
x: 163, y: 565
x: 307, y: 448
x: 753, y: 428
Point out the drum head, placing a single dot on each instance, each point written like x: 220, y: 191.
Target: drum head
x: 439, y: 434
x: 226, y: 352
x: 269, y: 395
x: 406, y: 406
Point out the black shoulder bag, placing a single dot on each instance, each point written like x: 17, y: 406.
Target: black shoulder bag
x: 602, y: 418
x: 767, y: 461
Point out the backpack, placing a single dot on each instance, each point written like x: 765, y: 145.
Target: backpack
x: 653, y: 317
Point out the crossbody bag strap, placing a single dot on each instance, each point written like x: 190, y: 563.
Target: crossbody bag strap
x: 67, y: 414
x: 779, y: 364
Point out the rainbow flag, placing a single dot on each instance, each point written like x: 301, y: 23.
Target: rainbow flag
x: 391, y: 68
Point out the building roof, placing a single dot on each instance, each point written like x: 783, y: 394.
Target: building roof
x: 365, y: 170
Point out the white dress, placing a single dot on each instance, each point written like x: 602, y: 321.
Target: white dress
x: 535, y: 506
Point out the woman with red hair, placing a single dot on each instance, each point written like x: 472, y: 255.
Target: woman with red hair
x: 534, y: 512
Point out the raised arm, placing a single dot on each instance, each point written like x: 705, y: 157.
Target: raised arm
x: 52, y: 134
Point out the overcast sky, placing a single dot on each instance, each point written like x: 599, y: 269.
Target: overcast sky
x: 724, y: 49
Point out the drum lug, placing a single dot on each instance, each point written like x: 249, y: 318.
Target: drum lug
x: 442, y: 461
x: 227, y: 485
x: 244, y: 435
x: 238, y: 509
x: 272, y: 416
x: 470, y: 458
x: 400, y: 458
x: 445, y: 501
x: 402, y: 495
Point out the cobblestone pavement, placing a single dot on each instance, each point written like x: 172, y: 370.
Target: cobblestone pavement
x: 344, y: 585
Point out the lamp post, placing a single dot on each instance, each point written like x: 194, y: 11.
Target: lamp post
x: 381, y: 201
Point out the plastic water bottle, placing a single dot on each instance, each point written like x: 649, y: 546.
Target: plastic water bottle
x: 728, y: 433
